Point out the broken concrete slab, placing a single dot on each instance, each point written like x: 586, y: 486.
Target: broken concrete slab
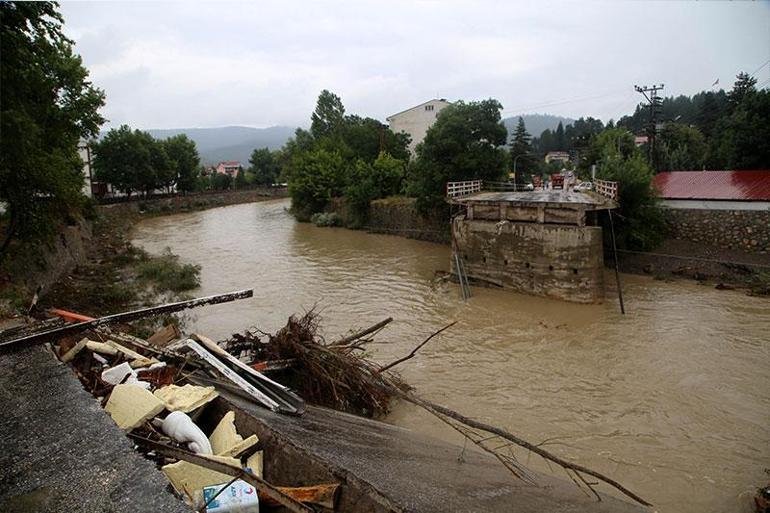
x: 60, y: 452
x: 186, y: 398
x: 130, y: 405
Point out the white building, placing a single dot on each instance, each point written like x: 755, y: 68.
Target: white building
x: 417, y: 120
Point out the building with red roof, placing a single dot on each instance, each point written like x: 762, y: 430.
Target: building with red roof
x: 714, y: 190
x: 228, y: 168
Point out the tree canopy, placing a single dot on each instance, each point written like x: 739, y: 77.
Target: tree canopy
x: 465, y: 143
x: 134, y: 161
x: 335, y: 157
x: 523, y: 161
x: 47, y: 104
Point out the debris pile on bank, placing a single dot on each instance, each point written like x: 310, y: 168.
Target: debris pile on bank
x: 162, y: 392
x: 334, y: 375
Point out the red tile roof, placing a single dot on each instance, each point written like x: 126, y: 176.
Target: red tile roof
x: 229, y: 163
x: 714, y: 185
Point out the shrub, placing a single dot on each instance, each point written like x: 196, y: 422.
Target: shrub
x: 167, y: 273
x: 326, y: 219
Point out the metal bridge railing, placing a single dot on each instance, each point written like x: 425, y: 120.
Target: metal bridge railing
x: 460, y: 189
x: 607, y: 189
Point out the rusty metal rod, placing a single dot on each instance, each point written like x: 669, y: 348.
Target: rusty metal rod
x: 71, y: 329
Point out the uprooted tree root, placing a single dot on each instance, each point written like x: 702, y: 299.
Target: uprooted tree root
x: 334, y: 375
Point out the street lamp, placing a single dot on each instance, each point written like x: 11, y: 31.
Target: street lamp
x: 514, y: 162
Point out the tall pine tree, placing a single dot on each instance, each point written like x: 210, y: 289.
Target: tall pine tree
x: 523, y: 162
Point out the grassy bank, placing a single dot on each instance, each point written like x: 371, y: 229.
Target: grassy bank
x: 113, y: 275
x: 119, y: 276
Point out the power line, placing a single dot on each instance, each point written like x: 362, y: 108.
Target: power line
x: 562, y: 102
x: 762, y: 66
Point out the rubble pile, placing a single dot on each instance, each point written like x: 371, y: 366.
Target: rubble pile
x: 151, y: 389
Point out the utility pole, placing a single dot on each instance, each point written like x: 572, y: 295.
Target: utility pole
x: 655, y: 104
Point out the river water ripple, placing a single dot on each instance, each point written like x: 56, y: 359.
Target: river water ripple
x: 672, y: 399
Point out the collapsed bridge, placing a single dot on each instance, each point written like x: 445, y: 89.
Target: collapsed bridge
x: 544, y: 242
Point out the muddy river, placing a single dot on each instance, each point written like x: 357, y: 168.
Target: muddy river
x: 672, y: 399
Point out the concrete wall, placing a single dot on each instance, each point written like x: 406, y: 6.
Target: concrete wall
x: 417, y: 120
x: 746, y: 230
x: 398, y: 216
x: 557, y: 261
x: 191, y: 201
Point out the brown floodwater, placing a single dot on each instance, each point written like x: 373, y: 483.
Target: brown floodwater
x: 672, y: 399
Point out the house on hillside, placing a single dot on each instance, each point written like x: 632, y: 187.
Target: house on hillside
x: 727, y: 209
x: 417, y: 120
x: 556, y: 156
x: 228, y: 168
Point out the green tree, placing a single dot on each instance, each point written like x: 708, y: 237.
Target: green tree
x: 560, y: 140
x: 164, y: 169
x: 365, y: 138
x: 368, y: 182
x: 123, y: 159
x: 612, y: 142
x: 745, y: 85
x: 328, y: 116
x: 266, y: 166
x: 640, y: 224
x: 522, y: 158
x: 681, y: 147
x: 465, y: 143
x: 130, y: 161
x: 742, y: 138
x: 317, y: 177
x: 47, y: 105
x: 221, y: 181
x: 240, y: 179
x: 184, y: 154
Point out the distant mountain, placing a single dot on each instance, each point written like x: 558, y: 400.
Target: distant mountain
x: 230, y: 142
x: 536, y: 123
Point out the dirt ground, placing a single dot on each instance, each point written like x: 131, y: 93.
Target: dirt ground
x: 725, y: 268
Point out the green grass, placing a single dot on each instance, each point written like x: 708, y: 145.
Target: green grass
x: 167, y: 273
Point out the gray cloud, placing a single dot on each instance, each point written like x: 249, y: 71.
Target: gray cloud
x: 263, y: 63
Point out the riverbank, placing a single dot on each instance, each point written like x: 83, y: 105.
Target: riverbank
x: 93, y: 268
x: 674, y: 259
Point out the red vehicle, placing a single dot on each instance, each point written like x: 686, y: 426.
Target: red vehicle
x: 557, y: 181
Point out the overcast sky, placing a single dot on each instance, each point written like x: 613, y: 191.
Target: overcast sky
x: 203, y: 64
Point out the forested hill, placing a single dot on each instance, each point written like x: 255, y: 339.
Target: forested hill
x: 536, y: 123
x: 230, y: 142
